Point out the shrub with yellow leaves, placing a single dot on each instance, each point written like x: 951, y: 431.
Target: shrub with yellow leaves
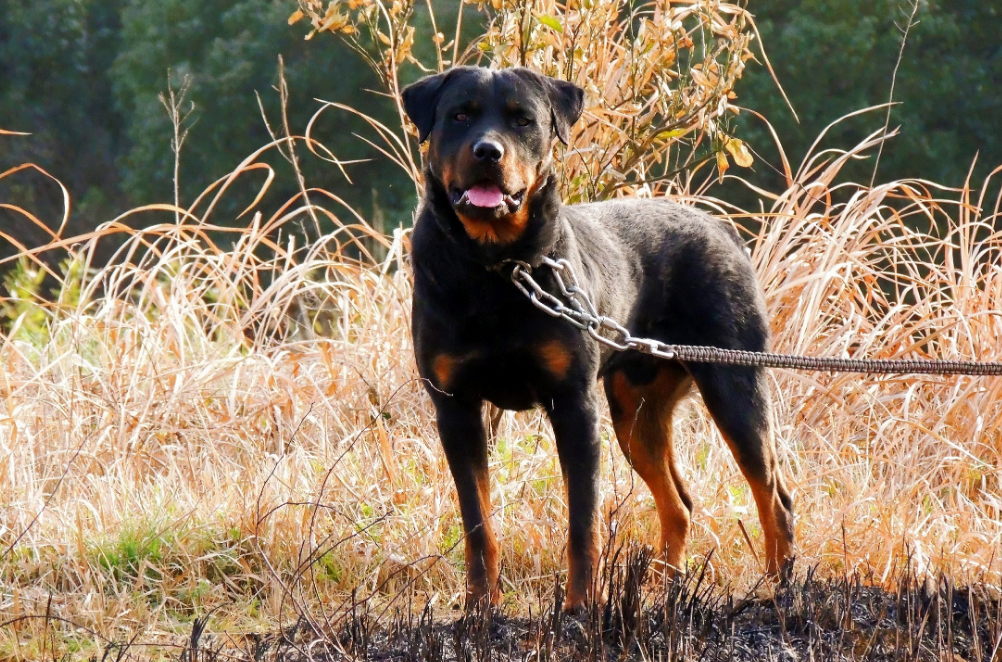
x: 659, y: 77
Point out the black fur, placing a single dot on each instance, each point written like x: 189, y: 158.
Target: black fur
x: 666, y: 271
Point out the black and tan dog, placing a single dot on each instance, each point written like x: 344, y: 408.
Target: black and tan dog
x: 666, y: 271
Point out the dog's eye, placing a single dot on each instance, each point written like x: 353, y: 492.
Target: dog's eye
x: 523, y: 121
x: 460, y: 117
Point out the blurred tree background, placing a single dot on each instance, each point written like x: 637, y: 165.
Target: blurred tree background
x: 84, y: 77
x: 833, y: 57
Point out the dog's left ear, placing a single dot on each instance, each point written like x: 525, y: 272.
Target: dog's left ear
x: 566, y: 104
x: 566, y: 100
x: 420, y: 99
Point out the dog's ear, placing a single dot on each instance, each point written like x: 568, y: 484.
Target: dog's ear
x: 566, y: 100
x: 566, y: 104
x: 420, y: 99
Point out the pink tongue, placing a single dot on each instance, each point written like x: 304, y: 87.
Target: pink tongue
x: 485, y: 196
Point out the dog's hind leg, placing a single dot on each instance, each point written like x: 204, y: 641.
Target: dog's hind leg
x: 738, y: 400
x: 461, y: 428
x: 641, y: 403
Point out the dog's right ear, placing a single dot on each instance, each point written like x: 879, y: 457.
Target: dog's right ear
x: 420, y: 100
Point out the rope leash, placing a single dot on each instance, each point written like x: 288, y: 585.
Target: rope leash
x: 580, y: 311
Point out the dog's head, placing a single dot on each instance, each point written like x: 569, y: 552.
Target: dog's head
x: 490, y: 138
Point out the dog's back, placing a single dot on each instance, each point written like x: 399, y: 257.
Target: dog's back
x: 667, y: 269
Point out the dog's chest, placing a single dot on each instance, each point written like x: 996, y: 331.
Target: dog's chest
x: 494, y: 346
x: 514, y: 377
x: 508, y: 379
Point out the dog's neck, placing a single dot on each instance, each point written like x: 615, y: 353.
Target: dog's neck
x: 540, y: 237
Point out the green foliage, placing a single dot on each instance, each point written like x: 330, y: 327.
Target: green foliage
x: 21, y: 307
x: 54, y: 59
x: 84, y: 77
x: 329, y: 568
x: 449, y: 543
x: 24, y: 308
x: 135, y: 551
x: 837, y: 56
x: 229, y: 49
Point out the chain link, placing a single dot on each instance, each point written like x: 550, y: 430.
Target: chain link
x: 580, y: 311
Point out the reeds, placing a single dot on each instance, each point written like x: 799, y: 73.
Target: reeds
x: 175, y: 441
x: 222, y: 421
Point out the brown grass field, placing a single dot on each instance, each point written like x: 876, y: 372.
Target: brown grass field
x: 224, y: 424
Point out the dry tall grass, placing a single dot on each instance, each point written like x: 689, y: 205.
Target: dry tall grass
x: 182, y: 434
x: 173, y: 443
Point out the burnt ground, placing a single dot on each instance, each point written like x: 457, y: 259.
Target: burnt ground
x: 809, y: 618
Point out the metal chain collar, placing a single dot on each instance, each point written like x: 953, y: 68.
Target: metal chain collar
x: 580, y: 311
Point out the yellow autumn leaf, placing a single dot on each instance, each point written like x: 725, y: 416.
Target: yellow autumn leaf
x: 674, y: 133
x: 699, y: 78
x: 740, y: 152
x: 722, y: 164
x: 334, y: 21
x: 296, y: 16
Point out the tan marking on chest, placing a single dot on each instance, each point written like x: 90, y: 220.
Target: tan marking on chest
x: 556, y: 356
x: 444, y: 366
x: 502, y: 231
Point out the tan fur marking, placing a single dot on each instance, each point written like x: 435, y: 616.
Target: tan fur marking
x: 642, y: 420
x: 491, y: 552
x: 443, y: 366
x: 447, y: 174
x: 777, y: 529
x: 581, y: 577
x: 556, y: 357
x: 502, y: 231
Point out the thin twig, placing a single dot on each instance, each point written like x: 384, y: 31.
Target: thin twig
x: 894, y: 80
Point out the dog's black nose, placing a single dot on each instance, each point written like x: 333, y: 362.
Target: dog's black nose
x: 488, y: 150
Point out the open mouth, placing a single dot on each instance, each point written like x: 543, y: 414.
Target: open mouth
x: 487, y: 197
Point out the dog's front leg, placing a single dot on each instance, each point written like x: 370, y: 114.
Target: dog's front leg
x: 464, y: 439
x: 574, y: 416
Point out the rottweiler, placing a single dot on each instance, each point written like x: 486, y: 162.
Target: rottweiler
x: 666, y: 271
